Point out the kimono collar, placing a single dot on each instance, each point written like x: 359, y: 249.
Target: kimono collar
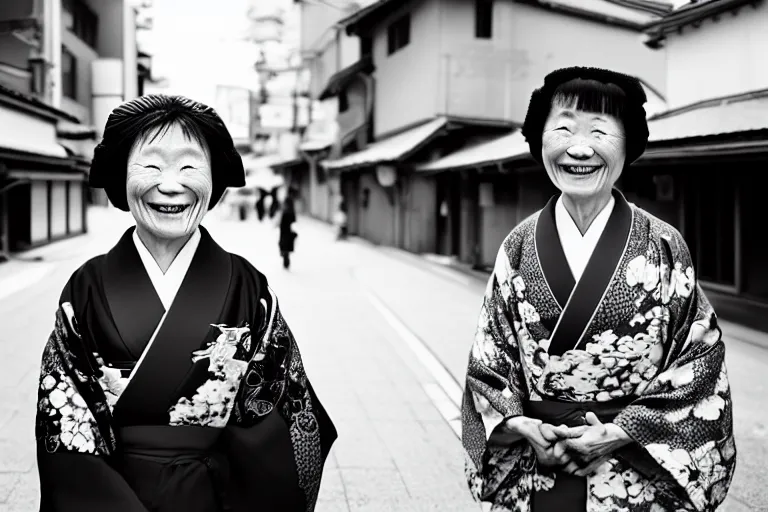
x: 167, y: 284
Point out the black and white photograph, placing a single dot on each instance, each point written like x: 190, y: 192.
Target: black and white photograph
x: 383, y: 256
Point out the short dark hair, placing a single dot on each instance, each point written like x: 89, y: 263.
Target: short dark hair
x: 138, y: 118
x: 593, y: 90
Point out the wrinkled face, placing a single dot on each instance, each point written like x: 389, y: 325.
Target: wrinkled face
x: 168, y: 184
x: 583, y: 152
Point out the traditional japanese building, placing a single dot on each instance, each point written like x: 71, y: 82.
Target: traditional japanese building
x: 64, y: 64
x: 449, y: 75
x: 706, y: 152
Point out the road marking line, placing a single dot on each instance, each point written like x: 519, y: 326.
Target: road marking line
x: 445, y: 393
x: 20, y: 280
x: 447, y: 409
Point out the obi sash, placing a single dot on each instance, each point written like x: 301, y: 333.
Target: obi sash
x: 570, y: 492
x: 160, y: 461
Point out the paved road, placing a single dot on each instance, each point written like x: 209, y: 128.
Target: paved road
x: 384, y: 335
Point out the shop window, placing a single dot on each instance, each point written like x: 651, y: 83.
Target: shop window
x: 710, y: 216
x: 68, y: 74
x: 399, y: 34
x: 483, y: 19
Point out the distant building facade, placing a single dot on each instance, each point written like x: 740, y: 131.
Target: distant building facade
x: 64, y: 65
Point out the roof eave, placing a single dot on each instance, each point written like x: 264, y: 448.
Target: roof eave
x: 587, y: 14
x: 47, y: 112
x: 690, y: 15
x: 721, y: 145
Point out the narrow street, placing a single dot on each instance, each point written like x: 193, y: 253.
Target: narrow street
x: 384, y: 336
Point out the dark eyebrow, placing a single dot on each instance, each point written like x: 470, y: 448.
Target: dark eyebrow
x: 567, y: 114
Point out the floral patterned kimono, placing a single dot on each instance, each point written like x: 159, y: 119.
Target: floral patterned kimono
x: 634, y: 340
x: 214, y: 413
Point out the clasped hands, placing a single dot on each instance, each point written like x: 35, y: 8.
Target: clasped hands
x: 576, y: 450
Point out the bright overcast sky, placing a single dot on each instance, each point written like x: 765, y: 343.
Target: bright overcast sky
x: 195, y: 44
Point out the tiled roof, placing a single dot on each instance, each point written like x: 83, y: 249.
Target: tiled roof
x: 736, y: 114
x: 498, y: 150
x: 33, y: 104
x: 685, y: 13
x: 608, y: 10
x: 391, y: 149
x: 637, y: 13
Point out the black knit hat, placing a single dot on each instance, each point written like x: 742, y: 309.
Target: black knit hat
x: 623, y: 94
x: 137, y: 118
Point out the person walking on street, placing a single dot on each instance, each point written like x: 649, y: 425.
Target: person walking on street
x: 340, y: 220
x: 287, y: 235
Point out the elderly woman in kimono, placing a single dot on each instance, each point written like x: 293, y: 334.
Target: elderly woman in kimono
x: 171, y: 380
x: 597, y: 377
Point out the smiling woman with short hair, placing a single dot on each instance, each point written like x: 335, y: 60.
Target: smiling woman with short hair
x: 171, y: 380
x: 597, y: 378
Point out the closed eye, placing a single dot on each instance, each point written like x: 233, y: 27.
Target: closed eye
x: 152, y: 167
x: 598, y: 131
x: 562, y: 128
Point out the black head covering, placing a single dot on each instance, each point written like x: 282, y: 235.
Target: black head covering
x: 146, y: 114
x: 626, y: 104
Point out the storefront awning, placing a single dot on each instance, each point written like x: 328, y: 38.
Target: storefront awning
x: 75, y: 131
x: 499, y: 150
x: 34, y: 148
x: 738, y: 114
x: 392, y: 149
x: 47, y: 175
x: 341, y: 79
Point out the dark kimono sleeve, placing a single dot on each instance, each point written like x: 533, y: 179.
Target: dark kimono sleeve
x: 279, y: 434
x: 73, y: 433
x: 495, y: 391
x: 684, y: 418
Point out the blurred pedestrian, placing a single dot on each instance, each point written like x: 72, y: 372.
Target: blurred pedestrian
x: 340, y: 220
x: 260, y: 208
x: 171, y: 381
x: 274, y: 205
x: 287, y: 235
x: 597, y: 378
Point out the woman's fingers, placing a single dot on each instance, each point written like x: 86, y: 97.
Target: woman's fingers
x: 548, y: 432
x: 571, y: 468
x: 591, y: 467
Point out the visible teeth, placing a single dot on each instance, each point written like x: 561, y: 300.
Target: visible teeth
x: 579, y: 169
x: 170, y: 209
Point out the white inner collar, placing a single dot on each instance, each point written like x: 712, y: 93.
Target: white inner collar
x: 578, y: 248
x: 167, y: 285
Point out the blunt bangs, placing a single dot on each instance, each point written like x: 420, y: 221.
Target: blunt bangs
x: 157, y: 129
x: 592, y: 96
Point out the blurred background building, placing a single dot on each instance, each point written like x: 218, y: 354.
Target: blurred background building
x: 423, y: 100
x: 64, y: 65
x: 408, y: 110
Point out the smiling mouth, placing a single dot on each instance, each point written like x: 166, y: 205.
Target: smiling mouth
x: 169, y: 209
x: 580, y: 170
